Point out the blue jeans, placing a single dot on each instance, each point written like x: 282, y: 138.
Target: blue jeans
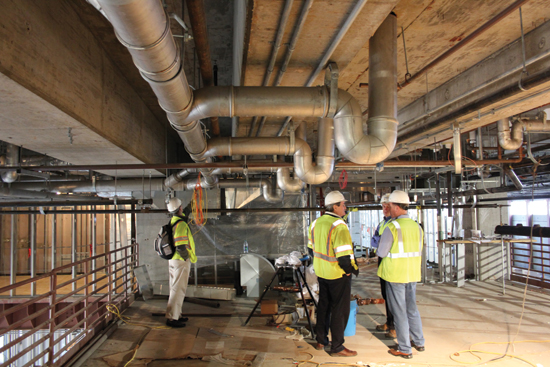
x: 408, y: 325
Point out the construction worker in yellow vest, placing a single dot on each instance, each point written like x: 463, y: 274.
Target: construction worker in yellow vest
x: 180, y: 264
x: 401, y: 249
x: 388, y: 326
x: 333, y: 262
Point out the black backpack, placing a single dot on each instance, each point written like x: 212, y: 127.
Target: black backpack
x: 164, y: 243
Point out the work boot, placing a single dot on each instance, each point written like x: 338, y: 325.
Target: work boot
x: 391, y: 334
x: 175, y: 323
x: 183, y: 319
x: 344, y: 353
x: 397, y: 353
x: 419, y: 348
x: 383, y: 327
x: 320, y: 346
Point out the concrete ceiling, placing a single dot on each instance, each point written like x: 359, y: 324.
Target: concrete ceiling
x: 62, y: 67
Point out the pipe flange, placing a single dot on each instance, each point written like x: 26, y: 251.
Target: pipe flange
x: 151, y: 45
x: 197, y: 157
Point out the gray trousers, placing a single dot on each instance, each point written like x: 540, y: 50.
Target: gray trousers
x: 406, y: 318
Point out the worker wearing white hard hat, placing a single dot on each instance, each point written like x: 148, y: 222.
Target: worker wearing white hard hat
x: 333, y: 262
x: 180, y: 265
x: 401, y: 249
x: 388, y: 327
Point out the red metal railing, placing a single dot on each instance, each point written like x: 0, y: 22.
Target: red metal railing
x: 531, y: 259
x: 50, y: 318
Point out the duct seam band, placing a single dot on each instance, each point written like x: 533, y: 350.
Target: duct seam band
x: 150, y: 46
x: 146, y: 74
x: 183, y: 112
x: 184, y: 128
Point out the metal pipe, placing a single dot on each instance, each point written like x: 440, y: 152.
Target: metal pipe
x: 13, y: 251
x: 474, y: 106
x: 12, y: 159
x: 270, y: 195
x: 32, y: 254
x: 197, y: 16
x: 272, y: 59
x: 54, y: 241
x: 73, y: 248
x: 143, y: 27
x: 382, y: 122
x: 465, y: 40
x: 510, y: 139
x: 513, y: 177
x: 336, y: 41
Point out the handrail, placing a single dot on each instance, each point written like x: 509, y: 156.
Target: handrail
x: 87, y: 307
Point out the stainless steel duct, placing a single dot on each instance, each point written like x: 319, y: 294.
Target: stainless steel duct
x: 382, y: 123
x: 11, y: 159
x: 510, y: 140
x: 509, y: 172
x: 513, y: 139
x: 270, y: 195
x: 143, y: 27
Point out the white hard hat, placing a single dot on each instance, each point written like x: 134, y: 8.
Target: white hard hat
x: 385, y: 199
x: 399, y: 197
x: 334, y: 197
x: 173, y: 205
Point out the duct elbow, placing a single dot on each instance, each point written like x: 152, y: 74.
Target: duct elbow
x: 286, y: 183
x: 350, y: 139
x: 510, y: 140
x: 11, y: 159
x: 304, y: 168
x: 175, y: 179
x: 271, y: 196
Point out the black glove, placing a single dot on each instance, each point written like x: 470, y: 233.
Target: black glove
x: 356, y: 272
x: 182, y: 251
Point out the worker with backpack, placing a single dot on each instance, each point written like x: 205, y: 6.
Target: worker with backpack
x: 179, y: 265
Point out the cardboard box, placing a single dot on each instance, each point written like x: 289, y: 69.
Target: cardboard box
x: 269, y: 307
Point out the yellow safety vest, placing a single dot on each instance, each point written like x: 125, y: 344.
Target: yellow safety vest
x: 403, y: 262
x: 383, y: 224
x: 330, y: 239
x: 183, y: 237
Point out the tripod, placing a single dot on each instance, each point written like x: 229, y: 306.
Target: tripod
x: 299, y: 275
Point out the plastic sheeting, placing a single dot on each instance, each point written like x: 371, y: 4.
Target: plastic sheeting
x: 268, y: 234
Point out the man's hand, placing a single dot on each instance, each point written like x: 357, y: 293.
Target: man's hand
x: 356, y: 272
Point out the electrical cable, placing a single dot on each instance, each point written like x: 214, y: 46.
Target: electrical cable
x: 513, y: 342
x: 115, y: 311
x: 198, y: 207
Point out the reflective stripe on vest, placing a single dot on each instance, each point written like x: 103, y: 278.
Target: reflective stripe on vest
x: 334, y: 225
x: 402, y: 252
x: 312, y: 240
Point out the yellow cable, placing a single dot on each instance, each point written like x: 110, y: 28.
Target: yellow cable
x: 115, y: 311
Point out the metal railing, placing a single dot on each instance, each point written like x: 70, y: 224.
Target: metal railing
x: 48, y: 329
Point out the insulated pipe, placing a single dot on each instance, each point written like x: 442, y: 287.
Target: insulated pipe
x: 156, y: 184
x: 510, y: 140
x: 11, y: 159
x: 382, y: 122
x: 284, y: 181
x: 509, y: 172
x: 268, y: 194
x: 144, y: 28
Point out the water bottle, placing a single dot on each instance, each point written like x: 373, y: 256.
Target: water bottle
x: 245, y: 247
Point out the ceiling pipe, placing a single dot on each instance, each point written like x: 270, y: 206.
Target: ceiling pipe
x: 197, y: 16
x: 509, y: 139
x: 143, y: 27
x: 382, y: 123
x: 284, y: 181
x: 509, y: 172
x: 11, y: 159
x: 512, y: 139
x: 334, y: 44
x: 272, y: 59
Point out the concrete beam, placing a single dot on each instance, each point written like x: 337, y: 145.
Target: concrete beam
x: 428, y: 120
x: 56, y: 77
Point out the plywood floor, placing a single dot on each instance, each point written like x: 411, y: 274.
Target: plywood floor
x: 454, y: 319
